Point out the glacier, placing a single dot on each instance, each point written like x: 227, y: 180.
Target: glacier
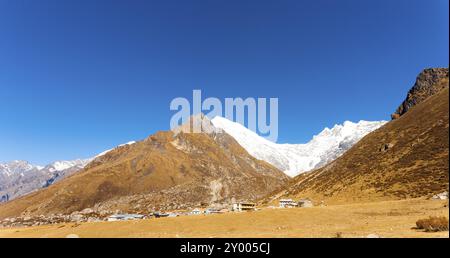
x: 294, y: 159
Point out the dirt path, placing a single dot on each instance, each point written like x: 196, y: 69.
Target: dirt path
x: 386, y: 219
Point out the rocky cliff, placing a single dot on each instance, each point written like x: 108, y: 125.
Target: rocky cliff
x: 428, y: 82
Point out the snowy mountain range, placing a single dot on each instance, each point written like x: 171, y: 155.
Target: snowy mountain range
x: 294, y: 159
x: 19, y: 177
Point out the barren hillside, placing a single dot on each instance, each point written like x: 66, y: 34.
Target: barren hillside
x: 163, y: 172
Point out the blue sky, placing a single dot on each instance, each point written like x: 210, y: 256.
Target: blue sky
x: 79, y: 77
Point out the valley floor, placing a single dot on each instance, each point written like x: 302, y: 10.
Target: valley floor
x: 385, y: 219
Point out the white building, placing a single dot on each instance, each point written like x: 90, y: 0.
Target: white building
x: 196, y: 211
x: 244, y: 206
x: 212, y: 211
x: 287, y: 203
x: 118, y: 217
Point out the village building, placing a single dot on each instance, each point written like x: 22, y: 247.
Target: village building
x: 288, y: 203
x: 119, y: 217
x: 244, y: 206
x: 196, y: 211
x: 212, y: 211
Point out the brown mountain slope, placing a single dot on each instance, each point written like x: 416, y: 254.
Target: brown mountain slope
x: 163, y: 172
x: 407, y: 157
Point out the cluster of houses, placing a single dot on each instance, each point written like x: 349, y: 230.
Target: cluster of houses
x: 236, y: 207
x: 198, y: 211
x: 122, y: 217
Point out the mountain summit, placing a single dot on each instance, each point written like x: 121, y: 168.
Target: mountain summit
x: 294, y: 159
x: 428, y: 82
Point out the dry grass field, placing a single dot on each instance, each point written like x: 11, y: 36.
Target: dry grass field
x: 386, y: 219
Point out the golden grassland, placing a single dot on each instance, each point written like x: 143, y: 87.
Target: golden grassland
x: 386, y: 219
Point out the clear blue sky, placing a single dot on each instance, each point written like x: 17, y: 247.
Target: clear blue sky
x: 79, y: 77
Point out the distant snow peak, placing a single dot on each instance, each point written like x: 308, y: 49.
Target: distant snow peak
x: 19, y: 177
x: 15, y: 167
x: 63, y: 165
x: 19, y: 167
x: 294, y: 159
x: 106, y: 151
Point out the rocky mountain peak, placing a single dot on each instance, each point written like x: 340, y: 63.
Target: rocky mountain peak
x: 429, y: 82
x: 198, y: 123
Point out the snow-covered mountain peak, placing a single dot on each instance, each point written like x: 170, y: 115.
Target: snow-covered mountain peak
x: 294, y: 159
x: 236, y: 129
x: 66, y: 164
x: 16, y: 166
x: 106, y: 151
